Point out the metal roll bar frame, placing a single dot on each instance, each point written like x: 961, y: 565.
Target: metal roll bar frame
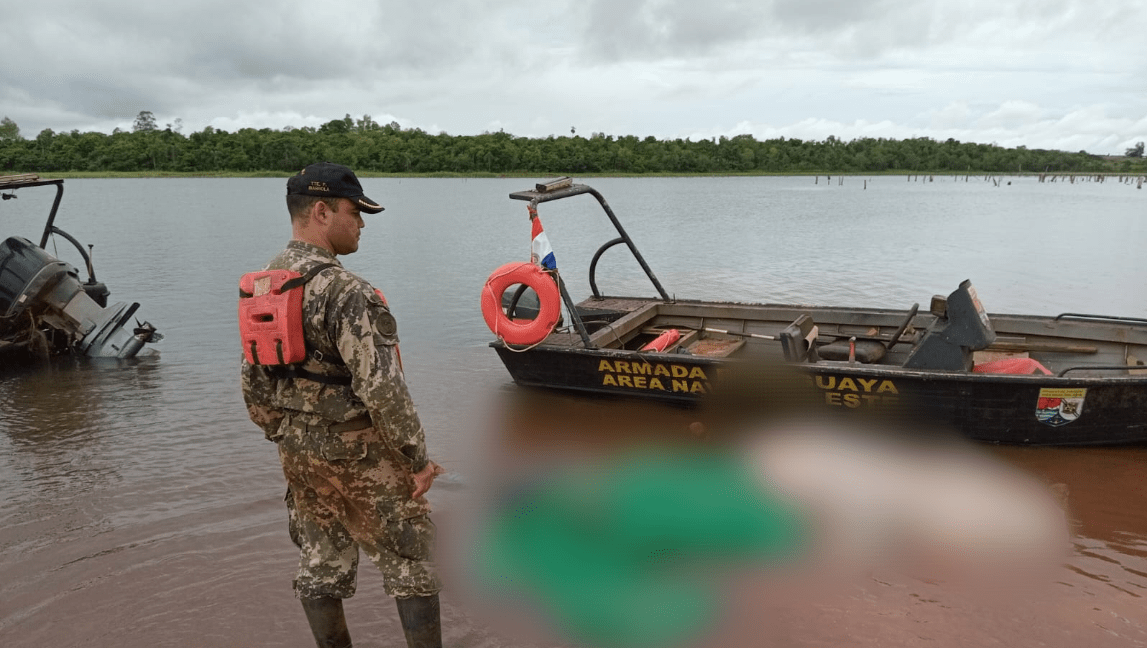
x: 31, y: 180
x: 565, y: 188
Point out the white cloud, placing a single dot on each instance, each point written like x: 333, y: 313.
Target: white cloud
x: 1064, y: 72
x: 954, y: 115
x: 898, y: 80
x: 1012, y: 114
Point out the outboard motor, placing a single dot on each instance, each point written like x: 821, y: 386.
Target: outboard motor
x: 961, y: 327
x: 34, y: 283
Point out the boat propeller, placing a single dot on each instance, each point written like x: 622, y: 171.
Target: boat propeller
x: 146, y: 331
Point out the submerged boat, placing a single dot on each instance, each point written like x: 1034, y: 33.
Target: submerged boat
x: 1071, y: 379
x: 45, y: 308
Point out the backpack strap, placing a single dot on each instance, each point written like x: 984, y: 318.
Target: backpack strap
x: 298, y: 281
x: 294, y: 371
x: 291, y: 284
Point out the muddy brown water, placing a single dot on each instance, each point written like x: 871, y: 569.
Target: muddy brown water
x: 139, y: 507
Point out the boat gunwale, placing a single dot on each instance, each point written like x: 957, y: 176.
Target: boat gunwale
x: 645, y: 309
x: 1060, y: 328
x: 833, y: 366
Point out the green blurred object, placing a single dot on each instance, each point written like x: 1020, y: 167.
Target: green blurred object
x: 631, y: 553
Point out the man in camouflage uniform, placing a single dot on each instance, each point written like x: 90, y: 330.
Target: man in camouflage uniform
x: 350, y: 441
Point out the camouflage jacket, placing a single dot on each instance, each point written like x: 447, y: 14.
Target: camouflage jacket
x: 349, y: 331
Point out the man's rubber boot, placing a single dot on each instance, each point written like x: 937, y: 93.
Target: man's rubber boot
x: 421, y: 621
x: 328, y: 623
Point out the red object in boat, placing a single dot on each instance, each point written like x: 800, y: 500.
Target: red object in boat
x: 662, y: 342
x: 1012, y: 366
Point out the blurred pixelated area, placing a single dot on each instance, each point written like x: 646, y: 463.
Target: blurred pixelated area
x: 601, y: 522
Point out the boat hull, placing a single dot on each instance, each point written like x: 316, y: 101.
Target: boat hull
x: 1082, y: 407
x: 992, y: 408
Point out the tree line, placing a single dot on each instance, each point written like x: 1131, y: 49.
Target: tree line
x: 366, y: 145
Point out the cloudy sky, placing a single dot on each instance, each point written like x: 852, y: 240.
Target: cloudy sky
x: 1061, y: 74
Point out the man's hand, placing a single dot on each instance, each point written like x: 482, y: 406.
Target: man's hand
x: 425, y: 477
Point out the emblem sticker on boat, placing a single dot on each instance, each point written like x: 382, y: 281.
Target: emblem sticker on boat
x: 1059, y: 406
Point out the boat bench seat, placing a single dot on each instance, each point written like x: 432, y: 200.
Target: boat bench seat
x: 867, y: 351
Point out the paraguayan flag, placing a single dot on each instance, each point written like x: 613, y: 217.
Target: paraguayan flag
x: 540, y: 251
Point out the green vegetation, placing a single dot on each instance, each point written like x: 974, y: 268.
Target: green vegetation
x: 9, y: 130
x: 372, y: 148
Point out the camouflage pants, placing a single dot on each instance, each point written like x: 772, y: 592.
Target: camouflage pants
x: 346, y: 491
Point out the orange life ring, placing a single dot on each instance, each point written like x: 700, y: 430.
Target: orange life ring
x: 521, y: 331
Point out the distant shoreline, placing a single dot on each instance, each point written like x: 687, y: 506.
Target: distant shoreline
x: 523, y: 174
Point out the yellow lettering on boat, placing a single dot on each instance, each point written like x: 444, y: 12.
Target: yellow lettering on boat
x: 637, y: 374
x: 854, y: 392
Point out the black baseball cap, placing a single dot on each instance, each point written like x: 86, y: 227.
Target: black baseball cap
x: 327, y: 179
